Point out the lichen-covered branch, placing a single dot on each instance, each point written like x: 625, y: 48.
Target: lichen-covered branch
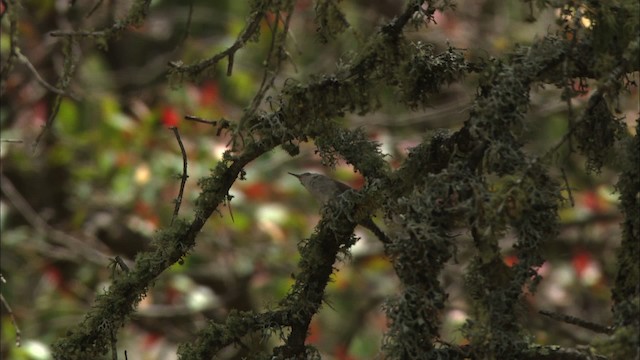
x: 180, y: 72
x: 628, y: 275
x: 318, y: 254
x: 477, y: 178
x: 111, y: 309
x: 278, y: 128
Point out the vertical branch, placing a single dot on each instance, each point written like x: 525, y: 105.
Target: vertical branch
x: 63, y: 84
x: 273, y: 64
x: 183, y: 178
x: 316, y: 266
x: 627, y: 289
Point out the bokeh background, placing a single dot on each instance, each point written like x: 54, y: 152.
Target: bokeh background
x: 105, y: 177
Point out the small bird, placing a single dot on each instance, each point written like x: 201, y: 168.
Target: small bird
x: 323, y: 189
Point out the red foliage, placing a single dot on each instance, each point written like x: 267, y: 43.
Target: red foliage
x: 170, y: 117
x: 592, y: 202
x: 581, y: 261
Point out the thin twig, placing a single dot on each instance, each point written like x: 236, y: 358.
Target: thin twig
x: 272, y: 66
x: 184, y: 176
x: 230, y: 64
x: 47, y: 125
x: 200, y: 120
x: 230, y: 209
x: 257, y: 99
x: 578, y: 322
x: 79, y: 33
x: 63, y: 83
x: 566, y: 182
x: 79, y: 247
x: 253, y: 25
x: 39, y: 78
x: 114, y: 341
x: 13, y: 318
x: 94, y: 8
x: 187, y: 30
x: 280, y: 53
x: 14, y: 141
x: 122, y: 264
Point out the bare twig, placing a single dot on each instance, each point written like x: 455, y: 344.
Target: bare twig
x: 272, y: 67
x: 187, y: 30
x: 228, y: 201
x: 578, y: 322
x: 257, y: 99
x: 121, y: 263
x: 63, y: 84
x: 79, y: 33
x: 184, y: 176
x: 39, y: 78
x: 47, y: 125
x: 200, y: 120
x: 253, y: 25
x: 13, y: 318
x: 94, y: 8
x: 566, y: 182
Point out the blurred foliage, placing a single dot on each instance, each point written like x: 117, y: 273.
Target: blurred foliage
x: 526, y: 220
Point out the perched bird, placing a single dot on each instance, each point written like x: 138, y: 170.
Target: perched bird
x: 324, y: 188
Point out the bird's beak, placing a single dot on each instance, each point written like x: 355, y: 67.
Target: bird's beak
x: 296, y: 175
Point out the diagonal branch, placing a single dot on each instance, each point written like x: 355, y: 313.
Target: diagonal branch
x: 303, y: 301
x: 112, y: 309
x: 253, y: 26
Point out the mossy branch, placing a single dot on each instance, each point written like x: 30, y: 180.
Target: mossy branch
x: 318, y: 254
x: 111, y: 309
x: 180, y: 72
x: 443, y: 185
